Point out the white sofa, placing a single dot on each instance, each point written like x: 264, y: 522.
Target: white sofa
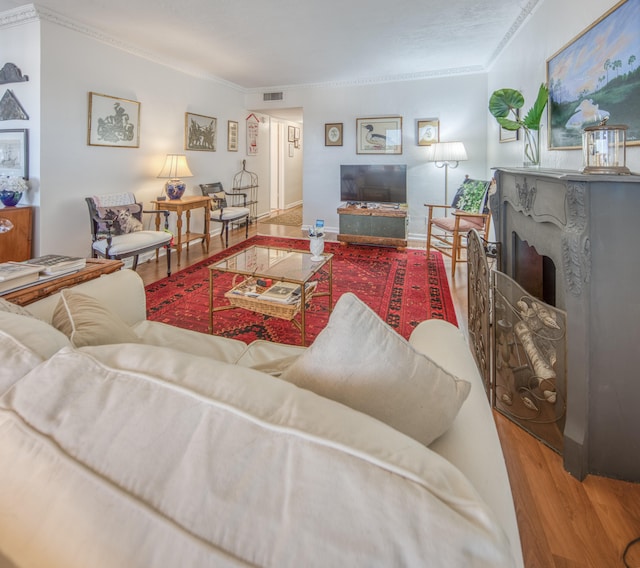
x: 185, y: 449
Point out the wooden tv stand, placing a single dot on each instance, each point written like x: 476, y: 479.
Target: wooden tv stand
x: 384, y: 225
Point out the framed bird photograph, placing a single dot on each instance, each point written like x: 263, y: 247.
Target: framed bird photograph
x: 381, y: 135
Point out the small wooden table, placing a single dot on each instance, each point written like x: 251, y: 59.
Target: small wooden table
x: 95, y: 267
x: 179, y: 206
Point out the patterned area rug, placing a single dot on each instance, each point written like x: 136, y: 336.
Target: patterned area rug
x: 291, y: 218
x: 402, y: 287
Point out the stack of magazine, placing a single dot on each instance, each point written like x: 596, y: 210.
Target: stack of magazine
x: 281, y: 292
x: 17, y: 275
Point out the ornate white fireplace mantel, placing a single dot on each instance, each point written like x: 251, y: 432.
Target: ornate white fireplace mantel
x: 589, y: 226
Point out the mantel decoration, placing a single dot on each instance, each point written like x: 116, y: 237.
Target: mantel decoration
x: 11, y: 190
x: 504, y: 105
x: 604, y: 149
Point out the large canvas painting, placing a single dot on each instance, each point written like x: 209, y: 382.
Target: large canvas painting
x: 597, y: 76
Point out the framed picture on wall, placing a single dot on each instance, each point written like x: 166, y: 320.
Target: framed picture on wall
x: 379, y: 135
x: 200, y: 132
x: 232, y: 136
x: 291, y: 134
x: 333, y: 134
x: 595, y: 76
x: 428, y: 131
x: 14, y: 153
x: 113, y: 121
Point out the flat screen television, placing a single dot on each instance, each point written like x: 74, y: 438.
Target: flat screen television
x: 373, y: 183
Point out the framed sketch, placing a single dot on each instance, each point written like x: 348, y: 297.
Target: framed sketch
x: 428, y: 132
x: 14, y: 153
x: 291, y: 134
x: 296, y: 134
x: 200, y: 132
x: 113, y: 121
x: 379, y: 135
x: 253, y: 130
x: 232, y: 136
x: 505, y: 135
x: 333, y: 134
x: 595, y: 76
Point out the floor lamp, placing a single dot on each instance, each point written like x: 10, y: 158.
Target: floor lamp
x: 447, y: 155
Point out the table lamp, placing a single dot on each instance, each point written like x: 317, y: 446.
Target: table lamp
x: 175, y: 167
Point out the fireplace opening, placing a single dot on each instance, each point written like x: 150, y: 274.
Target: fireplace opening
x: 536, y: 273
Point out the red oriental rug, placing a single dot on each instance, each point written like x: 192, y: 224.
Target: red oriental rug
x: 402, y: 287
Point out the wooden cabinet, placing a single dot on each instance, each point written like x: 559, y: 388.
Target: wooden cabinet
x: 16, y: 243
x: 384, y: 226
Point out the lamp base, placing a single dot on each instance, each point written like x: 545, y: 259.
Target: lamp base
x: 175, y: 188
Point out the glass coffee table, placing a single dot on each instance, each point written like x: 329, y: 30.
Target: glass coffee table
x: 257, y: 264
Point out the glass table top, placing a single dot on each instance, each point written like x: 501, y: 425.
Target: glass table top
x: 272, y: 262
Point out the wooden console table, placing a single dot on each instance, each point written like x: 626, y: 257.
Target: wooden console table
x: 186, y: 204
x: 385, y: 226
x: 95, y: 267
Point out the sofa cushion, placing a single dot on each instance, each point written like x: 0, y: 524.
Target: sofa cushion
x: 269, y: 357
x: 86, y: 322
x: 360, y: 361
x: 188, y: 341
x: 25, y: 342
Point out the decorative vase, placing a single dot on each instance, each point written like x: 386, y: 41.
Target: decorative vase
x: 10, y: 198
x: 175, y: 189
x: 316, y: 247
x: 531, y: 148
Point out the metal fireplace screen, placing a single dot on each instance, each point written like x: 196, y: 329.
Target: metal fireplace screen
x: 529, y: 361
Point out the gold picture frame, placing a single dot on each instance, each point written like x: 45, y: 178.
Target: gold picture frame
x: 333, y: 134
x: 113, y: 121
x: 200, y: 132
x: 428, y: 131
x: 379, y: 135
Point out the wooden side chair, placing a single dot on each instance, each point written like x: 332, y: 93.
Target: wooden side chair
x: 225, y: 213
x: 117, y: 231
x: 448, y: 234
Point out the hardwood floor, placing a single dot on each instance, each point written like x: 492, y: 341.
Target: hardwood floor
x: 564, y: 523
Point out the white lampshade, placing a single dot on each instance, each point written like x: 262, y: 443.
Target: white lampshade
x: 448, y: 152
x: 175, y: 167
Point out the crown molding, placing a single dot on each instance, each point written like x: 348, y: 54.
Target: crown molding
x: 515, y: 27
x: 33, y: 12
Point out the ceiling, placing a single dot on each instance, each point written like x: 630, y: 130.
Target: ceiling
x: 265, y: 45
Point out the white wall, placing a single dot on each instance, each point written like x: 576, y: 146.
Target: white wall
x: 458, y: 102
x: 64, y: 65
x: 522, y: 66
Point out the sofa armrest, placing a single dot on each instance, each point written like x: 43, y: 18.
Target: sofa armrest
x: 122, y: 292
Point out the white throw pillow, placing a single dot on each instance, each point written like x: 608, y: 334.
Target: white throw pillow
x: 25, y: 342
x: 86, y: 322
x: 360, y: 361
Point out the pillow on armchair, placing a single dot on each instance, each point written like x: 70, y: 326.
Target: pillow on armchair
x: 470, y: 196
x: 125, y: 219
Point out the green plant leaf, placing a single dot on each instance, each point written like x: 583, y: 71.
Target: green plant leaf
x: 508, y: 124
x: 504, y: 101
x: 534, y: 116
